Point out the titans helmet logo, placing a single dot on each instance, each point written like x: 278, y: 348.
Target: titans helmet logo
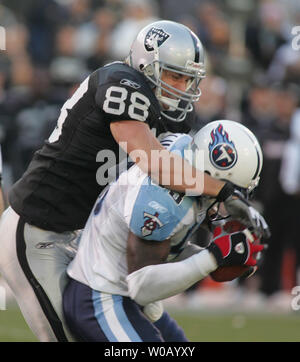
x: 222, y: 152
x: 155, y: 34
x: 151, y: 223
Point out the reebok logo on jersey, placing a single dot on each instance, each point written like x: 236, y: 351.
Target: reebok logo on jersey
x: 155, y: 34
x: 45, y: 245
x: 151, y: 223
x: 130, y: 83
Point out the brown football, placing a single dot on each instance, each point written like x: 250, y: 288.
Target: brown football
x: 228, y: 273
x: 233, y: 226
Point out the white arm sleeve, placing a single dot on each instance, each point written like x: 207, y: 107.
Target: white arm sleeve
x: 156, y: 282
x: 189, y: 250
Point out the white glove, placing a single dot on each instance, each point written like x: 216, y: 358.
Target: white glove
x: 154, y: 311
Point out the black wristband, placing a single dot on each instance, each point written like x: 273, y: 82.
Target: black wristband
x: 226, y: 191
x: 216, y: 252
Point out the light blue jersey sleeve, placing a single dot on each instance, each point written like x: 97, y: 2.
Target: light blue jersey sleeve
x: 157, y: 211
x: 176, y: 142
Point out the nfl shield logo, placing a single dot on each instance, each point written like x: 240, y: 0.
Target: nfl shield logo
x: 155, y: 34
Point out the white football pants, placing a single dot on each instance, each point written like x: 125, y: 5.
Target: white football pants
x: 33, y: 262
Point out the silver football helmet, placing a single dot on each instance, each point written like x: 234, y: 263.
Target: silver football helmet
x: 167, y: 45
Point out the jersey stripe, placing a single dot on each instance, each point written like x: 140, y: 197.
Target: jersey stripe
x: 112, y: 318
x: 68, y: 105
x: 101, y: 318
x: 41, y: 295
x: 120, y: 313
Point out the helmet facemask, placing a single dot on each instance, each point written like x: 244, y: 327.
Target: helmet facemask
x: 178, y: 100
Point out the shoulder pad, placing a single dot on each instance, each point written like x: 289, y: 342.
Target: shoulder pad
x: 156, y: 214
x: 124, y: 94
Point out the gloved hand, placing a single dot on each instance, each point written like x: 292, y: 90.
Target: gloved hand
x: 234, y: 249
x: 239, y: 209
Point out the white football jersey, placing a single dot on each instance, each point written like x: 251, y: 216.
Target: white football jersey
x: 134, y: 203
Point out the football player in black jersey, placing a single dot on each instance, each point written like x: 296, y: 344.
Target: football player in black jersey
x: 124, y: 103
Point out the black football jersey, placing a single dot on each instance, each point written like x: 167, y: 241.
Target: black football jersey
x: 59, y: 188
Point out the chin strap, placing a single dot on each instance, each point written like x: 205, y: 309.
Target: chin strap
x: 171, y: 103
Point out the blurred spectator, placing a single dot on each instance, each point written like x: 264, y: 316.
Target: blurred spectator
x: 214, y: 32
x: 17, y: 38
x: 33, y: 125
x: 4, y: 119
x: 190, y: 21
x: 137, y: 14
x: 80, y: 12
x: 20, y: 92
x: 66, y: 68
x: 99, y: 31
x: 44, y: 17
x: 212, y: 103
x: 7, y: 17
x: 281, y: 209
x: 115, y: 6
x: 169, y: 11
x: 290, y: 168
x: 258, y: 111
x: 265, y: 33
x: 290, y: 183
x: 285, y: 65
x: 19, y: 9
x: 86, y: 32
x: 65, y: 41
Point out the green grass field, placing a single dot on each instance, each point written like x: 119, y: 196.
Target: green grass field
x: 13, y: 327
x: 199, y: 327
x: 240, y: 327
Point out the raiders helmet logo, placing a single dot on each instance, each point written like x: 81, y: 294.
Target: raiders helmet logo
x: 155, y: 34
x: 222, y: 152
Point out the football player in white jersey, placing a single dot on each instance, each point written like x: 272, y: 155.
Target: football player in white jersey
x: 135, y: 250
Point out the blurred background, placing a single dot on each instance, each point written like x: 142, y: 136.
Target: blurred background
x: 253, y: 77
